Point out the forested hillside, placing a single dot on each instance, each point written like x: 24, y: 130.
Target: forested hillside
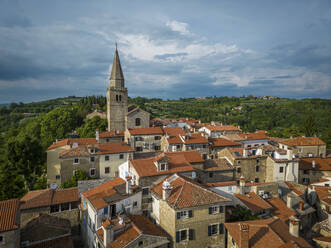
x: 26, y: 130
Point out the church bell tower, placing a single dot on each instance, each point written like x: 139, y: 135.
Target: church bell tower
x: 117, y: 97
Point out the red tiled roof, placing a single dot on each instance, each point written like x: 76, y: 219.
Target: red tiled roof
x: 80, y: 151
x: 221, y: 184
x: 114, y: 133
x: 146, y: 167
x: 192, y: 156
x: 271, y: 233
x: 124, y: 238
x: 9, y: 215
x: 174, y: 131
x: 146, y: 226
x: 221, y: 142
x: 253, y: 136
x: 297, y: 188
x: 222, y: 128
x: 175, y: 140
x: 114, y: 148
x: 254, y: 202
x: 321, y: 164
x: 48, y: 197
x: 196, y: 138
x: 146, y: 131
x: 323, y: 239
x: 70, y: 142
x: 96, y: 195
x: 187, y: 193
x: 303, y: 141
x: 280, y: 209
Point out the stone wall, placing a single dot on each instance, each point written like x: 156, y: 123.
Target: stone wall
x: 28, y: 214
x: 144, y: 119
x: 117, y: 110
x: 11, y: 239
x: 216, y: 176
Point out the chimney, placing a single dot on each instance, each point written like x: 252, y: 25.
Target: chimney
x: 128, y: 185
x: 244, y: 236
x: 166, y: 189
x: 301, y: 205
x: 289, y: 201
x: 108, y: 235
x: 294, y: 226
x: 245, y: 153
x: 242, y: 185
x: 97, y: 136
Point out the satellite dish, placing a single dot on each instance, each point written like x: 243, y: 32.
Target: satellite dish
x: 53, y: 186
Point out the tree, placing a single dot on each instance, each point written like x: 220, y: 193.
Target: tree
x: 241, y: 213
x: 26, y: 156
x: 80, y: 175
x: 309, y: 127
x: 88, y: 129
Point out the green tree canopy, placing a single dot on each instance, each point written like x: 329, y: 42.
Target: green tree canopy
x: 87, y: 130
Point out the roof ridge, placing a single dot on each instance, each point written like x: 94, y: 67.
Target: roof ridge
x: 180, y: 193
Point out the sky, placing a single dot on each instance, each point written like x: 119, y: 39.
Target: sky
x: 168, y: 49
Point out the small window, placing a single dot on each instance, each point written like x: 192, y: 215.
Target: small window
x: 135, y: 204
x: 256, y: 180
x: 157, y: 137
x: 76, y: 161
x: 181, y: 235
x: 92, y: 159
x: 139, y: 149
x: 140, y: 243
x: 121, y: 156
x: 238, y: 162
x: 300, y: 150
x: 74, y: 172
x: 57, y: 177
x: 116, y: 98
x: 162, y: 167
x: 238, y: 170
x: 107, y: 170
x: 138, y: 121
x: 178, y: 146
x: 157, y: 148
x: 145, y: 191
x: 92, y: 172
x: 105, y: 210
x: 213, y: 210
x: 305, y: 172
x: 281, y: 169
x: 120, y: 98
x: 257, y: 168
x: 1, y: 240
x: 107, y: 158
x: 212, y: 230
x: 257, y: 161
x: 204, y: 146
x: 182, y: 214
x: 211, y: 174
x: 204, y: 156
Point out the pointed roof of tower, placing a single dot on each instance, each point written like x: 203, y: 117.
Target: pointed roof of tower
x: 116, y: 71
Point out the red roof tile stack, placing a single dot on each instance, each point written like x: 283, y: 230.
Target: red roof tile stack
x: 9, y: 219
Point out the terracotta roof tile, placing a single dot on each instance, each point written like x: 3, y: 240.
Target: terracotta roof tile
x: 271, y: 233
x: 114, y: 148
x: 280, y: 209
x: 196, y: 138
x: 146, y: 131
x: 9, y: 215
x: 174, y: 131
x: 254, y: 202
x: 146, y: 167
x: 187, y: 193
x: 124, y: 238
x: 98, y: 194
x: 221, y: 184
x: 174, y: 140
x: 70, y: 142
x: 303, y: 141
x: 222, y: 128
x: 220, y: 164
x: 114, y: 133
x: 48, y: 197
x: 192, y: 156
x: 221, y: 142
x: 297, y: 188
x: 321, y: 164
x: 80, y: 151
x: 253, y: 136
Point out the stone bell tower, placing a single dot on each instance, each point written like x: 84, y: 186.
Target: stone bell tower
x: 117, y: 97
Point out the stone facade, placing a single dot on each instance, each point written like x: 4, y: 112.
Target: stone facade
x: 137, y: 118
x: 281, y: 170
x: 10, y: 239
x: 306, y: 151
x: 309, y: 176
x: 54, y: 165
x: 144, y: 143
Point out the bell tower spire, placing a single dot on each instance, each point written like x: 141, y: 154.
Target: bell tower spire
x: 116, y: 76
x: 117, y: 97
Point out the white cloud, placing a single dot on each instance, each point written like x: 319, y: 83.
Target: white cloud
x: 180, y: 27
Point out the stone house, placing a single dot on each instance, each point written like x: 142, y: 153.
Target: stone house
x: 137, y: 118
x: 195, y: 141
x: 217, y: 170
x: 213, y: 131
x: 281, y: 166
x: 218, y: 144
x: 47, y: 231
x: 146, y: 172
x: 170, y: 141
x: 107, y: 201
x: 313, y: 169
x: 250, y: 164
x: 271, y: 232
x: 304, y: 146
x: 115, y: 136
x: 53, y: 160
x: 61, y: 203
x: 144, y: 139
x: 192, y: 215
x: 128, y: 231
x: 253, y: 139
x: 10, y: 224
x: 98, y: 113
x: 96, y: 160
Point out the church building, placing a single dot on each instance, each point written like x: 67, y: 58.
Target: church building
x: 120, y: 116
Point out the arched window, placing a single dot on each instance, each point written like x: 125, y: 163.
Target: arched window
x: 120, y: 98
x: 137, y: 121
x: 116, y: 98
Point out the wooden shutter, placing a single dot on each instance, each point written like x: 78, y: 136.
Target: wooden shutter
x: 190, y: 213
x: 210, y: 210
x: 191, y: 234
x: 209, y: 230
x: 221, y: 228
x: 177, y: 237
